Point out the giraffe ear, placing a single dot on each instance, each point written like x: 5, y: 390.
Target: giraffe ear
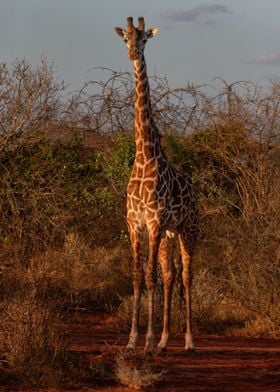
x: 151, y: 32
x: 120, y: 31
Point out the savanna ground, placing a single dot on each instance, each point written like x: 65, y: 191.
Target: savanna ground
x: 65, y: 261
x: 219, y: 363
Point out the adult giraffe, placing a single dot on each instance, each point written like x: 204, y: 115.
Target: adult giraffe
x: 158, y: 198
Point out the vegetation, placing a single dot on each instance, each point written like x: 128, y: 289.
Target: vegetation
x: 63, y: 235
x: 138, y: 376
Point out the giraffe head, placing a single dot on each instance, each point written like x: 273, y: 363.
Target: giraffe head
x: 135, y: 38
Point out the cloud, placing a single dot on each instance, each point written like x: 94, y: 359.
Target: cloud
x: 270, y: 59
x: 209, y: 22
x: 196, y: 12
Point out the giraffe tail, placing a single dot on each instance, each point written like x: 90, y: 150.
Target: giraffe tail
x: 181, y: 288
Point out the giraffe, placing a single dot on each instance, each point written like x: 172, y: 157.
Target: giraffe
x: 160, y: 199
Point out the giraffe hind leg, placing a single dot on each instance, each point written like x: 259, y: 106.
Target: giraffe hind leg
x: 186, y: 251
x: 168, y: 269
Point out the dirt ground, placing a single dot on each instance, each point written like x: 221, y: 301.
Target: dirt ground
x: 218, y: 363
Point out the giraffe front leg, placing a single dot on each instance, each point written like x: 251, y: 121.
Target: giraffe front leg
x: 135, y: 236
x: 167, y: 267
x: 151, y: 277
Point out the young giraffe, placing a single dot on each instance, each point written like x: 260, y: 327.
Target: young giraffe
x: 158, y: 198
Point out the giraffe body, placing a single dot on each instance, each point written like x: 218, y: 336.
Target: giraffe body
x: 160, y: 199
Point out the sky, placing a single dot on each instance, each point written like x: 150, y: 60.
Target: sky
x: 196, y: 41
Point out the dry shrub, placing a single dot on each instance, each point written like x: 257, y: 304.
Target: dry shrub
x: 98, y: 277
x: 136, y: 376
x: 125, y: 308
x: 255, y: 286
x: 11, y: 281
x: 34, y: 339
x: 207, y: 295
x: 30, y: 100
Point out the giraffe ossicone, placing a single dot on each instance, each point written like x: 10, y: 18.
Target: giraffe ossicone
x: 159, y: 199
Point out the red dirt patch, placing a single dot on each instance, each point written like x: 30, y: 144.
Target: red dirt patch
x: 219, y: 364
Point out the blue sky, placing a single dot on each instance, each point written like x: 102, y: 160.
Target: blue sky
x: 196, y: 41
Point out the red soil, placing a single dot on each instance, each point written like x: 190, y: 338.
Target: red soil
x: 219, y: 364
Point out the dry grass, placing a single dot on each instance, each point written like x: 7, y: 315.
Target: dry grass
x: 207, y: 296
x: 98, y: 276
x: 134, y: 376
x: 34, y: 339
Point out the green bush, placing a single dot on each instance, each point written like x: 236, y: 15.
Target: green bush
x: 48, y: 190
x: 120, y: 162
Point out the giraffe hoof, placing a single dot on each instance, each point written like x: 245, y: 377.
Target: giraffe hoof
x: 189, y: 345
x: 130, y: 347
x: 149, y: 353
x: 161, y: 350
x: 190, y: 350
x: 149, y: 350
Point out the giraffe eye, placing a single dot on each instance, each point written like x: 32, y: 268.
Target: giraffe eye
x: 125, y: 40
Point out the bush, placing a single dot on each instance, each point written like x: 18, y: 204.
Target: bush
x: 47, y: 190
x: 120, y: 163
x: 30, y: 101
x: 96, y: 278
x: 133, y: 376
x: 34, y: 339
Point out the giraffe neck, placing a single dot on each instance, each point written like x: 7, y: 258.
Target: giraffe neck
x: 146, y: 134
